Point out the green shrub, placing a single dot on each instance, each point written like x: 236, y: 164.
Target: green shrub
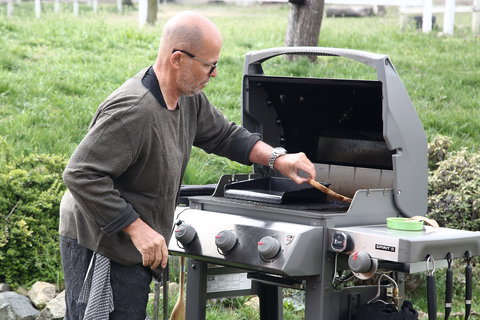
x: 454, y: 191
x: 31, y: 188
x: 438, y: 150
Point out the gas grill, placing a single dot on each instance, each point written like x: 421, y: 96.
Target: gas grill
x: 259, y: 232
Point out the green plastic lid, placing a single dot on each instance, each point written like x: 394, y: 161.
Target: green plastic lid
x: 404, y: 224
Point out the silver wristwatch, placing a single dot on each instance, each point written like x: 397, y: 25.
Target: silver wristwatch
x: 277, y: 152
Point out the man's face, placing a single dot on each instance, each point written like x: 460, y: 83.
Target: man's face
x: 193, y: 79
x: 198, y: 69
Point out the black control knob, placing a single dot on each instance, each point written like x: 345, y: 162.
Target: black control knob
x: 185, y: 234
x: 360, y: 262
x: 341, y: 242
x: 268, y: 247
x: 225, y: 240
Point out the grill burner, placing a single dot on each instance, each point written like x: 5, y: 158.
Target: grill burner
x: 367, y: 141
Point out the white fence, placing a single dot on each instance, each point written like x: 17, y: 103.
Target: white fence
x: 57, y: 6
x: 425, y: 7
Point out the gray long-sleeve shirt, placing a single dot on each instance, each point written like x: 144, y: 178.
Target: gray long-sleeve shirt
x: 131, y: 163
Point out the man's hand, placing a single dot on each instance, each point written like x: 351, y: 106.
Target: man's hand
x: 150, y: 244
x: 291, y: 164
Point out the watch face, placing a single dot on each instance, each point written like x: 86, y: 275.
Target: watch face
x: 279, y: 150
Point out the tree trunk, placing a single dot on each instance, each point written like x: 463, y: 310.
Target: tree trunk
x: 304, y: 22
x: 128, y: 3
x: 476, y: 17
x: 152, y: 12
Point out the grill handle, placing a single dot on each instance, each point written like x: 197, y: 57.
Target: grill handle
x: 254, y: 59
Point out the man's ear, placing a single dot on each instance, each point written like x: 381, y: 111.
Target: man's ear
x: 175, y: 59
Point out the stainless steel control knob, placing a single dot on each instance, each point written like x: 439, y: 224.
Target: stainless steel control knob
x: 225, y: 240
x: 268, y: 247
x: 185, y: 234
x: 360, y: 262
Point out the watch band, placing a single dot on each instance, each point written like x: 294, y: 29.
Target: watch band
x: 276, y: 152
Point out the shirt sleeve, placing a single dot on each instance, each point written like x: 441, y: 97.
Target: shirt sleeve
x: 104, y: 154
x: 215, y: 134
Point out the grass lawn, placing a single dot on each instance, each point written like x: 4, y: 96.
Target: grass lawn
x: 54, y: 72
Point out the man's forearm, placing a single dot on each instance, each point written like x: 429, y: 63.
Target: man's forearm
x: 260, y: 153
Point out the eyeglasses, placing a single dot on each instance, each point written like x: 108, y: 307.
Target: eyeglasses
x: 211, y: 65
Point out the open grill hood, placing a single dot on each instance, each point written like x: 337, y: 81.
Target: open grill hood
x: 364, y: 136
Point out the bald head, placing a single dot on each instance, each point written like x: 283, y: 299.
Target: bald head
x: 189, y: 50
x: 188, y: 31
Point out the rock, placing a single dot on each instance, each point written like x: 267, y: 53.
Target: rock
x: 4, y: 287
x: 7, y: 313
x: 41, y: 293
x: 254, y: 302
x: 173, y: 288
x: 55, y: 309
x: 14, y: 306
x: 22, y: 291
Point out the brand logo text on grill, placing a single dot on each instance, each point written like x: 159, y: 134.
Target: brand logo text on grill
x: 384, y: 247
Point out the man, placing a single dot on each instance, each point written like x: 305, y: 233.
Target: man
x: 124, y: 177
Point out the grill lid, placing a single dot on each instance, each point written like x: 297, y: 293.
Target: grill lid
x: 361, y: 135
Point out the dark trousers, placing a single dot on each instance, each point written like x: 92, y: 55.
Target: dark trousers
x: 130, y: 284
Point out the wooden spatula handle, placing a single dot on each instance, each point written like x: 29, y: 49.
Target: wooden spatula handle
x: 328, y: 191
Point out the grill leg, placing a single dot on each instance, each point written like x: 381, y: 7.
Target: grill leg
x: 196, y: 290
x: 321, y: 302
x: 315, y: 306
x: 271, y: 301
